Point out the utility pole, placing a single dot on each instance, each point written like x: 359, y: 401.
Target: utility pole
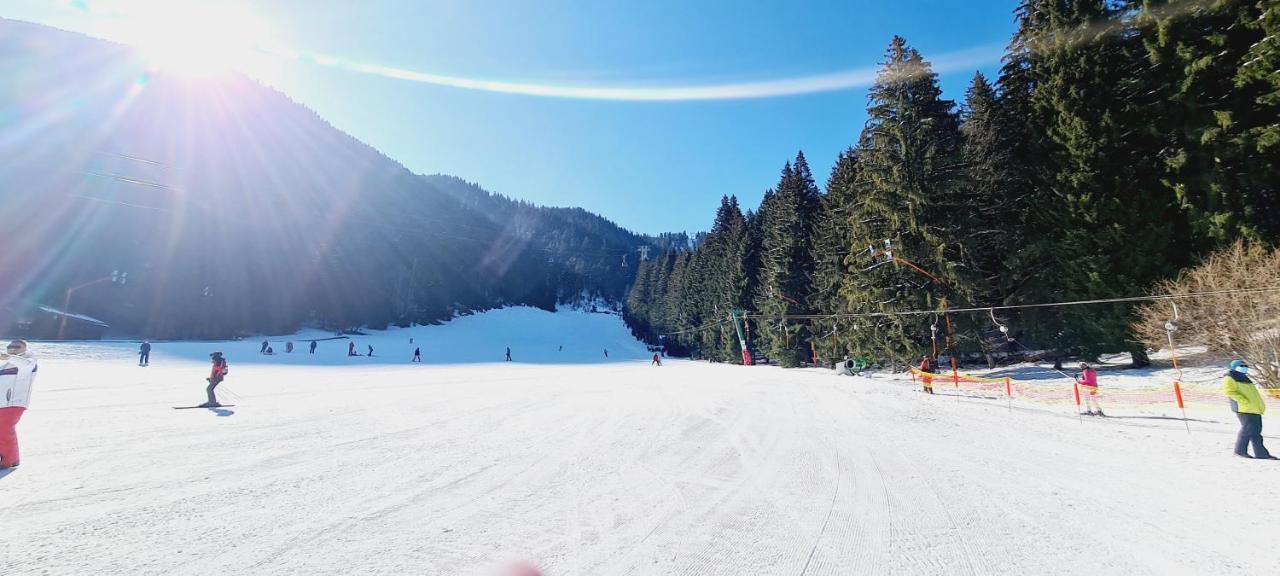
x: 116, y: 277
x: 746, y: 354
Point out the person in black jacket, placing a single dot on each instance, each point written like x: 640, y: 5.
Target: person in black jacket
x: 417, y: 354
x: 144, y: 354
x: 313, y: 346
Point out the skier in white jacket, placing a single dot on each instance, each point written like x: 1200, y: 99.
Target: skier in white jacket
x: 17, y: 371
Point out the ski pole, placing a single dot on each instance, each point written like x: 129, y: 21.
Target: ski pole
x: 1075, y: 386
x: 231, y: 393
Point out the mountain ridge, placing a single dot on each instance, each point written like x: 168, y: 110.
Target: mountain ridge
x: 237, y: 210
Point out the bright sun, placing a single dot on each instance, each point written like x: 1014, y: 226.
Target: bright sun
x: 194, y: 38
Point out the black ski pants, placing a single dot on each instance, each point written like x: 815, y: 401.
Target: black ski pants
x: 1251, y: 432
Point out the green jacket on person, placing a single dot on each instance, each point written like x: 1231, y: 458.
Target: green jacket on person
x: 1244, y: 396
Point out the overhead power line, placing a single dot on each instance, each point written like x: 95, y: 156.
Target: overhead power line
x: 698, y: 329
x: 1151, y: 298
x: 989, y: 309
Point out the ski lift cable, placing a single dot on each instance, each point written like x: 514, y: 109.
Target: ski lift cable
x: 698, y: 329
x: 991, y: 309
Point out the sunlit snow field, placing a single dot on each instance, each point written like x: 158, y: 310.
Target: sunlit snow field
x: 586, y: 465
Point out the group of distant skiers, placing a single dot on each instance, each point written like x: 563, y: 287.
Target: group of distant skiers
x: 18, y: 368
x: 269, y: 350
x: 1087, y: 379
x: 144, y: 351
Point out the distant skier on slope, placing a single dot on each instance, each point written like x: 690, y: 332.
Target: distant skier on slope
x: 265, y: 344
x: 351, y: 348
x: 1249, y: 407
x: 606, y: 352
x: 508, y: 353
x: 417, y: 354
x: 17, y: 373
x: 313, y: 346
x: 288, y: 347
x: 144, y: 353
x: 928, y: 366
x: 657, y: 360
x: 217, y: 372
x: 1089, y: 380
x: 371, y: 351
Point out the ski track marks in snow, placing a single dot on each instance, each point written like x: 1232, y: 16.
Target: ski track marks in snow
x: 609, y: 469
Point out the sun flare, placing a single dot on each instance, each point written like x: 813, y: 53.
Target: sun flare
x: 194, y: 38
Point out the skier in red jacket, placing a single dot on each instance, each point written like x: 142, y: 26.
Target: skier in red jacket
x: 216, y: 374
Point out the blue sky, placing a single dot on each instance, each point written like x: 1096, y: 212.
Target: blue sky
x: 651, y: 166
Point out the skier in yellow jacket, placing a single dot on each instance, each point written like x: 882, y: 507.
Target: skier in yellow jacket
x: 1247, y: 403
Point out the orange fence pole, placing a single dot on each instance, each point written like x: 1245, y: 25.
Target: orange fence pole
x: 1008, y: 393
x: 1177, y: 384
x: 1076, y: 386
x: 1177, y: 393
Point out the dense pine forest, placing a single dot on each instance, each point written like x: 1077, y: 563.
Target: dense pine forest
x: 1122, y: 141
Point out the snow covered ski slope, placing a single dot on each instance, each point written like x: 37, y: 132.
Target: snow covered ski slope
x: 381, y: 467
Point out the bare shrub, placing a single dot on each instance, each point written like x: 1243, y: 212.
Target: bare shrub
x: 1244, y: 325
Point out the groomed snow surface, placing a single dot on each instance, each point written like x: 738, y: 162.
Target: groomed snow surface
x: 336, y: 465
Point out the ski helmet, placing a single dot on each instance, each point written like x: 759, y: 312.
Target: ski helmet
x: 1239, y: 366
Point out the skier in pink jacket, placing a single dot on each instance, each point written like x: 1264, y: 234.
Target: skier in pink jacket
x: 1089, y: 385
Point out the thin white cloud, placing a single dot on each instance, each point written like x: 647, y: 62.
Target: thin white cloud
x: 795, y: 86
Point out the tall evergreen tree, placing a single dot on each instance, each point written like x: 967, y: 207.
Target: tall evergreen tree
x: 830, y: 249
x: 727, y: 288
x: 1211, y: 93
x: 992, y: 192
x: 680, y: 318
x: 1104, y: 226
x: 909, y: 192
x: 786, y: 268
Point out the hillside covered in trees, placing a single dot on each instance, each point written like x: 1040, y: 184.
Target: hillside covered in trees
x: 234, y: 210
x: 1122, y: 141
